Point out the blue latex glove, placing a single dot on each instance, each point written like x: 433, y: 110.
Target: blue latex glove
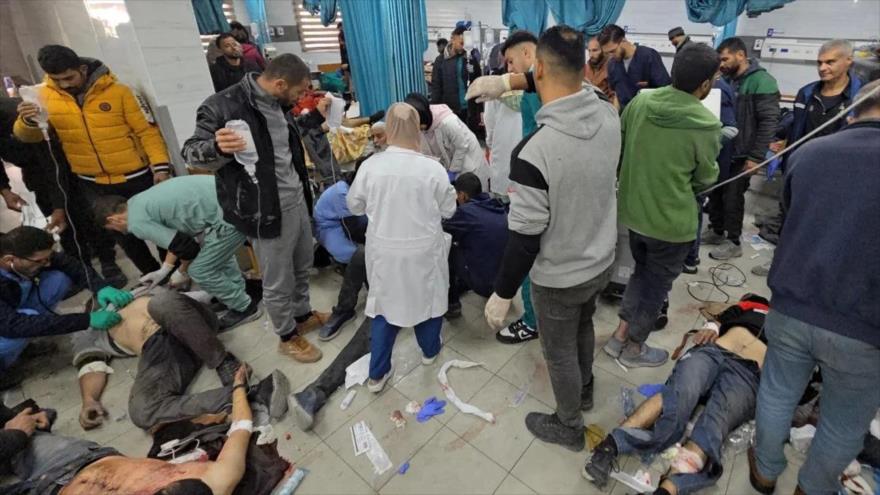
x: 432, y: 407
x: 650, y: 389
x: 114, y: 296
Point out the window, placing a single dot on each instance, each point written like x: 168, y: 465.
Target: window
x: 229, y: 12
x: 315, y: 37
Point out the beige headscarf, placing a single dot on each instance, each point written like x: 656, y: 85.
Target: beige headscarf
x: 402, y: 127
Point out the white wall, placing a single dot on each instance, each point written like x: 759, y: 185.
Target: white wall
x: 280, y: 12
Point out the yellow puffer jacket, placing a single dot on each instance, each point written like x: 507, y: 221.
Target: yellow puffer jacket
x: 108, y: 137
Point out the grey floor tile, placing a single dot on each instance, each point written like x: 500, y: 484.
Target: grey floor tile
x: 513, y: 486
x: 328, y: 473
x: 447, y: 464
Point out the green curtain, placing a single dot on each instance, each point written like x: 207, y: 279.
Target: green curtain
x: 587, y: 16
x: 327, y: 9
x: 209, y: 16
x: 530, y: 15
x: 722, y: 12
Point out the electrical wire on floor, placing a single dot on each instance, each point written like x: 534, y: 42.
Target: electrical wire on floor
x: 70, y: 222
x: 723, y: 275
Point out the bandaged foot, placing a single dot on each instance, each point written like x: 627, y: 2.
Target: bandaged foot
x: 687, y: 462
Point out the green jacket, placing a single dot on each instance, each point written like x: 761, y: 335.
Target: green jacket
x: 182, y: 207
x: 670, y: 142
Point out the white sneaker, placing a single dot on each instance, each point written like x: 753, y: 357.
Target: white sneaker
x: 428, y: 361
x: 376, y: 386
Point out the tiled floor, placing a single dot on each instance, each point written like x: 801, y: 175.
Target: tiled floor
x: 452, y: 453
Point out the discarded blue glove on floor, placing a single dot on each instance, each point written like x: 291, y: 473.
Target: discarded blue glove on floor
x: 403, y: 468
x: 432, y: 407
x: 650, y: 389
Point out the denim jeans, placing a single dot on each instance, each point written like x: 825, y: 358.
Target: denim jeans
x: 850, y: 397
x: 384, y: 335
x: 315, y: 395
x: 568, y: 340
x: 50, y: 462
x: 354, y: 278
x: 41, y: 298
x: 170, y: 360
x: 729, y: 386
x: 657, y: 264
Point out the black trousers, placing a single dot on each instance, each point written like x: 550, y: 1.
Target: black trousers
x: 355, y: 277
x: 136, y: 249
x: 727, y: 204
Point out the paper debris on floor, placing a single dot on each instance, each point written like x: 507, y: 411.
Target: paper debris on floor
x: 450, y: 394
x: 357, y: 372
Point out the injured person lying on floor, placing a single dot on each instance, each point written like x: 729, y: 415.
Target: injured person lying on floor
x: 48, y: 463
x: 721, y: 371
x: 173, y: 335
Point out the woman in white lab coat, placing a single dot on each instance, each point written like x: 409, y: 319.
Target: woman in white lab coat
x: 404, y: 194
x: 447, y: 138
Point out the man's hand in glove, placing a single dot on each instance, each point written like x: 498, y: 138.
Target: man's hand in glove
x: 114, y: 296
x: 153, y: 279
x: 496, y: 311
x: 103, y: 320
x: 488, y: 88
x: 180, y: 280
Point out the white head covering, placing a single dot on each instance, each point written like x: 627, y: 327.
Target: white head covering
x: 402, y: 124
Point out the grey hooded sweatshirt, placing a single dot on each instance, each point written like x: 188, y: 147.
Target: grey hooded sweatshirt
x: 563, y: 203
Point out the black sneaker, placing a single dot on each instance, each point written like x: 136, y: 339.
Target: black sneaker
x: 691, y: 268
x: 37, y: 349
x: 587, y: 397
x: 227, y: 368
x: 272, y: 392
x: 548, y: 428
x: 12, y: 376
x: 662, y: 320
x: 453, y: 310
x: 331, y: 329
x: 602, y: 462
x: 111, y: 272
x: 233, y: 318
x: 305, y: 406
x: 516, y: 333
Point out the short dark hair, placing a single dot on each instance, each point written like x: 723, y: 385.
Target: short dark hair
x: 222, y: 36
x: 564, y: 46
x: 458, y: 31
x: 872, y: 103
x: 469, y: 184
x: 733, y: 45
x: 55, y: 59
x: 24, y: 241
x: 349, y: 176
x: 442, y: 42
x: 693, y: 65
x: 612, y: 33
x: 104, y: 206
x: 423, y: 108
x: 289, y: 67
x: 517, y: 37
x: 189, y: 486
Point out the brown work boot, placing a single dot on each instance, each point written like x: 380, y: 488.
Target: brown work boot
x: 316, y: 321
x: 759, y: 482
x: 300, y: 349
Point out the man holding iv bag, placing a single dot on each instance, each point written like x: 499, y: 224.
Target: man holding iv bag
x: 263, y: 187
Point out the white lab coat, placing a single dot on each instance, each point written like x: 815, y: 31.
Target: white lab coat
x: 405, y: 194
x: 503, y: 133
x: 451, y: 142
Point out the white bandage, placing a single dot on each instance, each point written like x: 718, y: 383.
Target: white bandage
x: 711, y: 325
x: 245, y: 424
x: 687, y: 462
x: 95, y: 367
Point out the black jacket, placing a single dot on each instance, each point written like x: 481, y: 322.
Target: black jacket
x: 11, y: 441
x: 14, y: 325
x: 37, y: 168
x: 236, y: 192
x: 224, y: 75
x: 757, y: 112
x: 444, y: 82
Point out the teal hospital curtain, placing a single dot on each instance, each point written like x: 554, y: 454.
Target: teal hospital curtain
x: 256, y: 10
x: 385, y: 49
x: 327, y: 9
x: 209, y: 16
x: 722, y: 12
x: 587, y: 16
x: 530, y: 15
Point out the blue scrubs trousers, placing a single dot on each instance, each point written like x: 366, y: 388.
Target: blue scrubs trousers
x: 382, y: 339
x: 38, y: 298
